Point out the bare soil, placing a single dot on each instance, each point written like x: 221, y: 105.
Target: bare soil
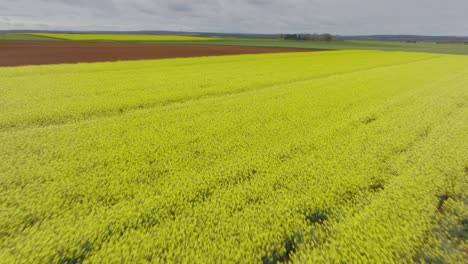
x: 38, y: 53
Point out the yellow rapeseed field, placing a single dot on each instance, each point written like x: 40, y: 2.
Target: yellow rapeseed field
x: 325, y: 157
x: 121, y: 37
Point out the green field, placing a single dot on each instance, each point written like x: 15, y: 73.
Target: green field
x: 336, y: 45
x: 334, y: 157
x: 25, y: 37
x: 120, y: 37
x: 387, y: 46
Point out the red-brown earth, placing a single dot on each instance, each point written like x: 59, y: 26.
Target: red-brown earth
x: 38, y: 53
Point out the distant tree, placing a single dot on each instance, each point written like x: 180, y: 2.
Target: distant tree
x: 327, y: 37
x: 316, y: 37
x: 292, y: 37
x: 311, y: 37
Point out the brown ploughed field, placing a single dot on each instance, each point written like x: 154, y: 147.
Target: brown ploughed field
x: 37, y: 53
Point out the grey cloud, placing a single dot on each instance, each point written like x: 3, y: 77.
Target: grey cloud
x: 180, y: 7
x: 144, y: 9
x: 251, y: 16
x: 259, y: 2
x: 83, y: 3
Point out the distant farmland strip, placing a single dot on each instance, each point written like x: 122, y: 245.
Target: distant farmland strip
x: 250, y: 42
x: 122, y: 37
x: 26, y: 37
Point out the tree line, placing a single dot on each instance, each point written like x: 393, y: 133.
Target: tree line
x: 320, y: 37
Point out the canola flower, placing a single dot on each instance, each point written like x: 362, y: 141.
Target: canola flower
x: 334, y: 157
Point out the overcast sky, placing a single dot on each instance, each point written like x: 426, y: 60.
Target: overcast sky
x: 346, y: 17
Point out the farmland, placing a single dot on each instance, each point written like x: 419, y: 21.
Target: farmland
x: 244, y: 42
x: 17, y: 53
x: 306, y: 157
x: 121, y: 37
x: 26, y: 37
x: 332, y: 45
